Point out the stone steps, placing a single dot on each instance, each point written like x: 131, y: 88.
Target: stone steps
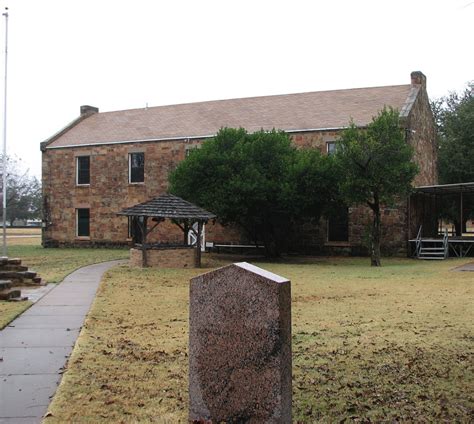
x: 4, y: 260
x: 12, y: 267
x: 10, y: 294
x: 13, y: 273
x: 18, y: 299
x: 18, y: 277
x: 5, y: 284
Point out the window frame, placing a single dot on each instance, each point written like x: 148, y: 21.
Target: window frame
x: 83, y: 236
x: 78, y: 158
x: 328, y: 150
x: 130, y: 154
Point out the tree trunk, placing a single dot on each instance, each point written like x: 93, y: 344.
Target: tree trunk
x: 375, y: 239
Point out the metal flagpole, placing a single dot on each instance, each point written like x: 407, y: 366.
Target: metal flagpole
x: 4, y: 171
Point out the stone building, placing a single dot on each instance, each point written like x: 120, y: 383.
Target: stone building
x: 104, y: 162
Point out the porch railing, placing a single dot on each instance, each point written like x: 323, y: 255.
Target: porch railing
x: 445, y: 243
x: 418, y: 243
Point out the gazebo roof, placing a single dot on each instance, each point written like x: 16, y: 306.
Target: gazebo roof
x: 168, y: 206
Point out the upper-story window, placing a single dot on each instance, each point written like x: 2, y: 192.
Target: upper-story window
x: 83, y: 170
x: 191, y: 149
x: 136, y: 167
x: 331, y: 147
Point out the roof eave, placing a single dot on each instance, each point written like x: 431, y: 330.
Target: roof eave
x: 44, y: 144
x: 409, y: 102
x: 167, y: 216
x: 181, y: 138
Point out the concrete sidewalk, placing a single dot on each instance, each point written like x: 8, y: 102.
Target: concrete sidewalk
x: 34, y: 348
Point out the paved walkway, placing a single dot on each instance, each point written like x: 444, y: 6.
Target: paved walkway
x: 465, y: 267
x: 34, y: 348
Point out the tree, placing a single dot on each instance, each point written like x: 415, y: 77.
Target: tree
x: 259, y: 182
x: 454, y: 115
x: 23, y: 193
x: 376, y: 168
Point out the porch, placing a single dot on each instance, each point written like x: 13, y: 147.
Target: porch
x: 441, y: 221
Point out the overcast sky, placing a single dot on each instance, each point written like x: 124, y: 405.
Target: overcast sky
x: 116, y: 54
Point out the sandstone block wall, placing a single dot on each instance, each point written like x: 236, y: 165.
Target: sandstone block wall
x: 165, y: 258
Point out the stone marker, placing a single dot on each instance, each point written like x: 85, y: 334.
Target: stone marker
x: 240, y: 346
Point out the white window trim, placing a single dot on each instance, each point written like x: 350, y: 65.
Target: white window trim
x: 130, y: 169
x: 77, y: 171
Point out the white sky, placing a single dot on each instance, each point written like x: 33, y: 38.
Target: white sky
x: 117, y: 54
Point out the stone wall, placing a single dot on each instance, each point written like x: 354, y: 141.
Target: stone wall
x: 394, y: 227
x: 421, y: 134
x: 179, y: 257
x: 109, y: 192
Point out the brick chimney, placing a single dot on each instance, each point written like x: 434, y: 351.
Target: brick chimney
x: 87, y: 110
x: 418, y: 78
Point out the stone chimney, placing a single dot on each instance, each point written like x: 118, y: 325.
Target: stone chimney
x: 87, y: 110
x: 418, y: 78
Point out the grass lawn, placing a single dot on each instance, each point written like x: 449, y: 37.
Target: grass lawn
x: 51, y: 264
x: 369, y: 345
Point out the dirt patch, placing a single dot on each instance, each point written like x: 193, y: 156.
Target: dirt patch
x: 466, y: 267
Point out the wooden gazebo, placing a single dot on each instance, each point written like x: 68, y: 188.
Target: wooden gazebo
x: 167, y: 206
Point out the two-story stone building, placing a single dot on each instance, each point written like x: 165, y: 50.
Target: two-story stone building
x: 103, y: 162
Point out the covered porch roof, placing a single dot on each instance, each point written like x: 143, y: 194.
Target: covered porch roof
x: 446, y: 188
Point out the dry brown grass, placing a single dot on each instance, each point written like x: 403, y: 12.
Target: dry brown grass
x: 28, y: 231
x: 388, y: 344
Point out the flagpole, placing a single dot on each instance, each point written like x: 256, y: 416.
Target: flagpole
x: 4, y: 171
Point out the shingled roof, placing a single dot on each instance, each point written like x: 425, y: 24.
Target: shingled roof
x: 289, y: 112
x: 168, y: 206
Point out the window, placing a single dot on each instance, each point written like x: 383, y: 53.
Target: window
x: 136, y: 167
x: 83, y: 222
x: 330, y: 147
x: 83, y: 170
x: 191, y: 149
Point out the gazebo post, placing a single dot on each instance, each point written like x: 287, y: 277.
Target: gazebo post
x: 462, y: 214
x: 198, y: 245
x: 185, y: 231
x: 144, y: 233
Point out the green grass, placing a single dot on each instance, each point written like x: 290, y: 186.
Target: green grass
x: 369, y: 345
x: 52, y: 265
